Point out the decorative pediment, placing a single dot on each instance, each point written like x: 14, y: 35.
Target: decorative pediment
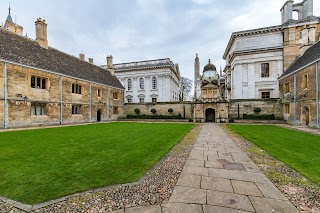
x: 129, y: 96
x: 141, y: 96
x: 154, y: 95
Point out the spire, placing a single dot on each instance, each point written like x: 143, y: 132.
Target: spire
x: 9, y: 19
x: 209, y: 61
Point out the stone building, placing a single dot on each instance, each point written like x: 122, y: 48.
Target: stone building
x: 256, y: 58
x: 149, y: 81
x: 41, y: 85
x: 11, y: 26
x: 209, y: 102
x: 299, y: 87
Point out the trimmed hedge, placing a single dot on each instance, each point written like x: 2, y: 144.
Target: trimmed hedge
x: 259, y: 117
x: 170, y: 110
x: 153, y: 110
x: 136, y: 110
x: 257, y: 109
x: 154, y: 116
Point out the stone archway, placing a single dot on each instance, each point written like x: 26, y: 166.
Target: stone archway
x: 210, y: 115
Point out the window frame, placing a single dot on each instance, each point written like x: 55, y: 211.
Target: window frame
x: 287, y: 87
x: 115, y: 95
x: 129, y: 100
x: 264, y: 73
x: 76, y: 109
x: 116, y: 110
x: 305, y: 81
x: 141, y: 83
x: 263, y: 95
x: 154, y: 83
x: 76, y: 88
x: 129, y: 84
x: 34, y: 109
x: 99, y: 93
x: 154, y: 100
x: 37, y: 82
x: 141, y: 100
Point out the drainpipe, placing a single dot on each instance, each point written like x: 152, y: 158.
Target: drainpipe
x: 5, y: 95
x: 317, y: 92
x: 60, y: 99
x: 295, y: 98
x: 90, y: 114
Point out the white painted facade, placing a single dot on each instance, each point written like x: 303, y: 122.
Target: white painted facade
x: 245, y: 59
x: 159, y: 80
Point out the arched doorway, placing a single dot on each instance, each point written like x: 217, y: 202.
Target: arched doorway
x: 307, y: 116
x: 99, y: 115
x: 210, y: 115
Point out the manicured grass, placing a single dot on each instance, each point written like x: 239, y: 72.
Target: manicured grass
x: 300, y: 151
x: 44, y: 164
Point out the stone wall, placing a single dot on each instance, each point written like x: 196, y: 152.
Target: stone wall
x: 268, y: 106
x: 19, y: 110
x: 305, y: 97
x: 185, y: 109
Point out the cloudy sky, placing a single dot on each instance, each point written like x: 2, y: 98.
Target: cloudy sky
x: 133, y: 30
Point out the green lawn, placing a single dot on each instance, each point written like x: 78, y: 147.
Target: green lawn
x: 301, y: 151
x: 44, y: 164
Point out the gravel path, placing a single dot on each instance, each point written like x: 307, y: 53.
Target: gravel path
x: 304, y: 194
x: 155, y: 188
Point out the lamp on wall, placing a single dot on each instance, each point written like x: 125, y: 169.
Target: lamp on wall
x: 25, y: 99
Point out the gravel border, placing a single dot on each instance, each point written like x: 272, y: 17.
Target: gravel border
x: 303, y: 193
x: 154, y: 188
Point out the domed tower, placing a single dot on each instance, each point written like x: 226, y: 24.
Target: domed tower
x: 211, y: 105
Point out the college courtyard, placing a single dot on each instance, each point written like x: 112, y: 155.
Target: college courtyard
x: 160, y: 167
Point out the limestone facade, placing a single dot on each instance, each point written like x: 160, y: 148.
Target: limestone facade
x: 43, y: 86
x: 149, y: 81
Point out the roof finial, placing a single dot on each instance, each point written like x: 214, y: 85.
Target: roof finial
x: 209, y: 61
x: 9, y: 9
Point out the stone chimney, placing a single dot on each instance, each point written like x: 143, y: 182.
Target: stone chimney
x: 110, y: 64
x: 41, y: 33
x: 81, y: 56
x: 91, y: 60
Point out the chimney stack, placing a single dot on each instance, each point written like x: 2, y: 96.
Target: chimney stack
x: 41, y: 33
x: 81, y: 56
x: 110, y: 64
x: 91, y: 60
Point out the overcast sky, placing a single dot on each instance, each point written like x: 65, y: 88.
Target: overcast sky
x: 134, y: 30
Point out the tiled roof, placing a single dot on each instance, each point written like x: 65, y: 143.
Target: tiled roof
x: 311, y: 55
x: 26, y: 51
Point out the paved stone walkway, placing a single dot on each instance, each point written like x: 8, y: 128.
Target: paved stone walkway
x: 220, y: 177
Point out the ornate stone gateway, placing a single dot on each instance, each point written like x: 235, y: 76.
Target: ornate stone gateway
x: 209, y: 101
x: 210, y: 115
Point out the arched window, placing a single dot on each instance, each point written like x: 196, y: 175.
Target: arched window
x: 154, y: 83
x: 129, y: 84
x: 141, y: 81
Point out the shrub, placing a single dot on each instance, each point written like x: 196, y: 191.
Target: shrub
x: 136, y: 110
x: 257, y: 109
x: 231, y: 120
x: 170, y: 110
x: 154, y: 116
x: 260, y: 117
x: 153, y: 110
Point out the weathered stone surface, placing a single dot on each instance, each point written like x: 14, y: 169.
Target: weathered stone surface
x: 195, y: 163
x: 234, y: 166
x: 217, y: 184
x: 218, y: 209
x: 227, y: 174
x: 188, y: 195
x: 195, y: 171
x: 265, y: 205
x: 230, y: 200
x: 271, y: 191
x: 181, y: 208
x: 213, y: 164
x: 144, y: 209
x: 246, y: 188
x: 192, y: 181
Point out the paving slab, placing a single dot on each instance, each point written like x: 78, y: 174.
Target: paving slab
x: 181, y: 208
x: 195, y: 163
x: 266, y: 205
x: 213, y: 164
x: 118, y: 211
x: 229, y: 200
x: 144, y: 209
x: 217, y: 184
x: 188, y: 195
x: 234, y: 166
x: 218, y: 209
x: 246, y: 188
x: 192, y: 181
x: 271, y: 191
x: 195, y: 171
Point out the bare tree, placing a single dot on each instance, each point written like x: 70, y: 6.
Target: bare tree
x: 185, y: 89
